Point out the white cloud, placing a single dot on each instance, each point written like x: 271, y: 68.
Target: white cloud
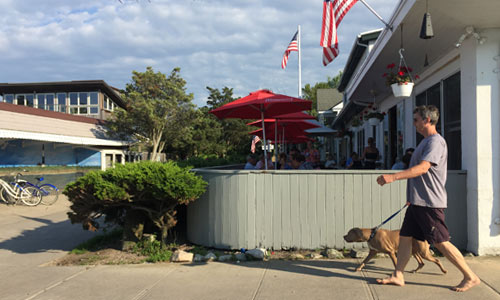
x: 218, y: 43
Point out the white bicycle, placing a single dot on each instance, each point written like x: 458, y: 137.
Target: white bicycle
x: 12, y: 194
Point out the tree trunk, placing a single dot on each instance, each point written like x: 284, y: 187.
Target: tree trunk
x: 164, y: 234
x: 133, y: 229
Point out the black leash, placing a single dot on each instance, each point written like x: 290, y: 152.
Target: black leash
x: 374, y: 229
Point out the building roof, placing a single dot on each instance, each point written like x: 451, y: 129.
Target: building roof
x: 327, y: 98
x: 63, y: 86
x: 357, y: 51
x: 56, y: 138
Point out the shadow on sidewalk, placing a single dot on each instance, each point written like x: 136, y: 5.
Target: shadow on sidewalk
x: 57, y: 236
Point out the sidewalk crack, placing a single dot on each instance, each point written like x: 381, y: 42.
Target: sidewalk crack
x: 260, y: 282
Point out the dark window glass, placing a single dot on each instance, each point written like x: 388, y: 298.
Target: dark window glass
x: 61, y: 99
x: 20, y: 100
x: 41, y: 101
x: 73, y: 98
x: 30, y: 100
x: 452, y: 121
x: 94, y: 110
x: 50, y: 101
x: 83, y: 110
x: 94, y: 100
x: 9, y: 98
x: 83, y: 99
x: 73, y: 110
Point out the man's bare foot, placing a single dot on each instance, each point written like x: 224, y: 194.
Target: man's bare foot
x: 466, y: 284
x: 392, y: 280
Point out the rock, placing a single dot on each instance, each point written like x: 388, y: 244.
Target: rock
x: 359, y: 253
x: 210, y: 256
x: 296, y: 256
x: 257, y: 253
x: 225, y: 257
x: 334, y: 254
x: 199, y: 257
x: 182, y: 256
x: 315, y: 255
x: 241, y: 256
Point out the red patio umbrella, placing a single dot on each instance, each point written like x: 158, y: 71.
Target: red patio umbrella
x: 261, y: 104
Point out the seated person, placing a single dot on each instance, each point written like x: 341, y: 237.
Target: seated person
x: 330, y: 162
x: 283, y: 163
x: 299, y: 162
x: 261, y: 165
x: 353, y: 162
x: 251, y: 162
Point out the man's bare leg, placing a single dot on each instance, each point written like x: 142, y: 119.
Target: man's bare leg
x: 404, y: 254
x: 455, y: 257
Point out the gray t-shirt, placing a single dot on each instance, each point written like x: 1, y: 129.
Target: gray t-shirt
x: 429, y: 188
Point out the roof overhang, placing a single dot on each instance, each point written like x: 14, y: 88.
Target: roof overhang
x: 449, y: 20
x: 74, y: 140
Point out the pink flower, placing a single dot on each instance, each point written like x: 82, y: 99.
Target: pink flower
x: 391, y: 66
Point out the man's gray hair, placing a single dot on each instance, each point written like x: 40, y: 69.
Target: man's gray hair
x: 428, y: 111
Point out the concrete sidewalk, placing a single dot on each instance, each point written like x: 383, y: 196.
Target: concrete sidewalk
x: 31, y: 238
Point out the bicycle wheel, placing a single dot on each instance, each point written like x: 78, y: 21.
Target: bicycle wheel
x: 50, y: 194
x: 31, y: 196
x: 6, y: 197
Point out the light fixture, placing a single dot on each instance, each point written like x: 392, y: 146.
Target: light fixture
x: 470, y: 31
x: 426, y: 31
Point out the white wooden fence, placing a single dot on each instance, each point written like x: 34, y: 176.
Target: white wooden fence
x: 304, y: 209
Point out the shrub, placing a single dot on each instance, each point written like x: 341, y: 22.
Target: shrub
x: 133, y: 194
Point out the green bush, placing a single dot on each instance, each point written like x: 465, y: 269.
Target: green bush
x: 153, y: 250
x: 133, y: 195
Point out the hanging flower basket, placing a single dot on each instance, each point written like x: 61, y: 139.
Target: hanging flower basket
x: 373, y: 121
x: 402, y: 90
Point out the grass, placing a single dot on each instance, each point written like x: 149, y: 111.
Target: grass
x: 98, y: 241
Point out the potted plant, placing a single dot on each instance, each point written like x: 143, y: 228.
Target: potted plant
x: 372, y: 115
x: 357, y: 121
x: 400, y: 80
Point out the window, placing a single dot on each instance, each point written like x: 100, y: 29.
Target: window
x: 9, y: 98
x: 73, y: 98
x: 61, y: 102
x: 51, y: 105
x: 41, y: 103
x: 84, y: 103
x: 446, y: 97
x: 25, y: 100
x: 94, y: 98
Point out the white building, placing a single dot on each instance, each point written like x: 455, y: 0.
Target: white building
x: 459, y: 70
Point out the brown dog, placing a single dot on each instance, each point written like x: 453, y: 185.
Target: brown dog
x: 387, y: 241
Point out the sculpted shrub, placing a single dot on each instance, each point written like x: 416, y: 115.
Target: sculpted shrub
x: 133, y: 195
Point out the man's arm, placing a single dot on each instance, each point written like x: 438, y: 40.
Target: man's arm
x: 412, y: 172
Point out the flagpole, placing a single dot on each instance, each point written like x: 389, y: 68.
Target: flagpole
x: 300, y: 61
x: 264, y: 135
x: 376, y: 14
x: 275, y: 144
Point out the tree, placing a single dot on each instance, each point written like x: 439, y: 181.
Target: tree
x: 310, y: 93
x: 234, y: 137
x: 157, y: 109
x: 133, y: 195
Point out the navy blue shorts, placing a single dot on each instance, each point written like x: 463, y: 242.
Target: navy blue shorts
x: 425, y: 224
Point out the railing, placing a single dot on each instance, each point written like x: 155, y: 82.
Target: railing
x: 304, y: 209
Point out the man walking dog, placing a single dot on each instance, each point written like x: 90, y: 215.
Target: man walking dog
x: 426, y: 196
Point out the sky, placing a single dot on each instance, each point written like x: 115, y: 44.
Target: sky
x: 216, y: 43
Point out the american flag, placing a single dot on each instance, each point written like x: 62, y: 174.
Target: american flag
x: 293, y: 46
x: 332, y: 11
x: 255, y: 140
